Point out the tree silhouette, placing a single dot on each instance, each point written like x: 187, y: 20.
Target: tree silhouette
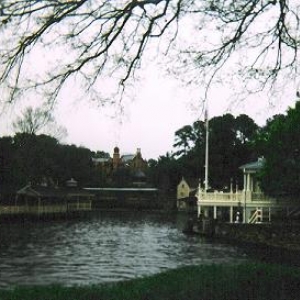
x: 280, y: 175
x: 90, y: 40
x: 230, y: 146
x: 34, y: 121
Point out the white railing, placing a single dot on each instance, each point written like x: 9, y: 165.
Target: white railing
x: 44, y: 209
x: 77, y: 206
x: 240, y: 196
x: 221, y: 197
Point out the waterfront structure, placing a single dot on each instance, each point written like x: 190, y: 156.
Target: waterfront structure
x: 249, y: 205
x: 44, y: 200
x: 186, y: 193
x: 131, y: 198
x: 125, y: 184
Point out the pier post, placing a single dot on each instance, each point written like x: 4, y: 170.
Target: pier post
x: 231, y: 214
x: 215, y: 212
x: 198, y: 209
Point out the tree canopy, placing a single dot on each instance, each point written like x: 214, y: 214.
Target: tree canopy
x: 233, y: 141
x: 230, y: 146
x: 88, y: 41
x: 281, y: 148
x: 34, y: 158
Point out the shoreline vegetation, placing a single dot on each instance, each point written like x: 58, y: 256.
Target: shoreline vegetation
x: 249, y: 280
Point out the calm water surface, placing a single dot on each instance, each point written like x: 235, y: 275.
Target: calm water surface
x: 107, y: 247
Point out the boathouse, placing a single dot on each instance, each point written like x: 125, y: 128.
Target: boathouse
x: 186, y: 194
x: 42, y: 200
x: 249, y: 205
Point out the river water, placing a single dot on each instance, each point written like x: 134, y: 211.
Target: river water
x: 105, y: 247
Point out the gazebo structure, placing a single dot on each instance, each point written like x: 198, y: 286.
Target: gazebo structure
x: 249, y: 205
x: 43, y: 200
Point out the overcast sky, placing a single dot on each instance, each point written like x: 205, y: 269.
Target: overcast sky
x: 149, y: 122
x: 161, y: 107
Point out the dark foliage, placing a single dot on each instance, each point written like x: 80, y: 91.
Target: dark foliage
x: 35, y: 158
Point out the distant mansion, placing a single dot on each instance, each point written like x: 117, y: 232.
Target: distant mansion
x: 126, y: 165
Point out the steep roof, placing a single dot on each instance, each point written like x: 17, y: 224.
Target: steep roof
x: 139, y: 174
x: 127, y: 157
x: 253, y: 166
x: 193, y: 183
x: 97, y: 160
x: 52, y: 192
x: 39, y: 191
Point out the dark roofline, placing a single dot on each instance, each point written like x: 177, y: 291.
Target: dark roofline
x: 256, y: 165
x: 122, y: 189
x: 192, y: 182
x: 51, y: 192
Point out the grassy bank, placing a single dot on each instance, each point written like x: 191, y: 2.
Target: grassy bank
x: 245, y: 281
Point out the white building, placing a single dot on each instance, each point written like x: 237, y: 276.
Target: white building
x: 249, y: 205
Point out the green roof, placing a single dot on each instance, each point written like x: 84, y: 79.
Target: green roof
x: 256, y: 165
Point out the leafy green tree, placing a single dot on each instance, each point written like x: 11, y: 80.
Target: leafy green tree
x: 263, y: 135
x: 77, y: 164
x: 38, y: 158
x: 190, y: 149
x: 188, y: 137
x: 221, y: 150
x: 245, y: 149
x: 35, y: 158
x: 281, y: 173
x: 230, y: 146
x: 165, y: 173
x: 7, y: 154
x: 245, y: 128
x: 101, y: 154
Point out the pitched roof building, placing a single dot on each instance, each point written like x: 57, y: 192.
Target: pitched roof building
x: 134, y: 164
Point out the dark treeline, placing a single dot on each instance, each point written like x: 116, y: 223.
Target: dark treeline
x: 233, y: 141
x: 230, y: 145
x: 33, y: 158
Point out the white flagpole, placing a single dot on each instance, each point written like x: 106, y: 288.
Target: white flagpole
x: 206, y: 185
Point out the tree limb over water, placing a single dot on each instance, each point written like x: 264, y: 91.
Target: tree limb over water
x: 89, y: 41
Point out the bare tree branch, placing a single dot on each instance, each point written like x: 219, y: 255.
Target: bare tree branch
x: 36, y: 121
x: 32, y: 121
x: 90, y: 40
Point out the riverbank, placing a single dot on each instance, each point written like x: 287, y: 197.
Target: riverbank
x: 241, y: 281
x: 283, y: 235
x: 272, y: 242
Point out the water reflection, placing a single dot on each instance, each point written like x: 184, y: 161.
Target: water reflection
x: 106, y: 247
